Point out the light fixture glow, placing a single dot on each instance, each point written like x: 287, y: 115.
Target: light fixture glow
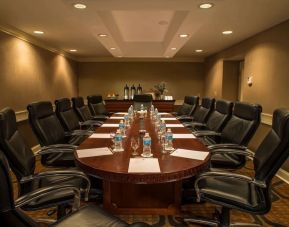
x: 206, y: 6
x: 173, y: 48
x: 73, y: 50
x: 79, y: 6
x: 38, y: 32
x: 227, y: 32
x: 102, y: 35
x: 199, y: 51
x: 112, y: 48
x: 183, y: 35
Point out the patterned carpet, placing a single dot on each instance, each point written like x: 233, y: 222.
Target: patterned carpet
x: 278, y: 216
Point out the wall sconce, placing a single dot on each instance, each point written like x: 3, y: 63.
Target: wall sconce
x: 250, y: 81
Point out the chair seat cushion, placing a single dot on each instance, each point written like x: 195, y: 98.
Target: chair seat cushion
x: 233, y: 193
x: 90, y: 216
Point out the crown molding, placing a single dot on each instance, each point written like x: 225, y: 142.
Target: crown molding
x: 34, y: 41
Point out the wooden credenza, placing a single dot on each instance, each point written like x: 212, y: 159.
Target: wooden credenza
x: 122, y: 105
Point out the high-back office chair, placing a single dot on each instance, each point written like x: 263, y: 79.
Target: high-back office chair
x: 145, y: 100
x: 201, y: 113
x: 237, y: 133
x: 97, y: 107
x: 217, y: 119
x: 252, y: 195
x: 83, y: 112
x: 189, y: 106
x: 11, y: 215
x: 22, y: 163
x: 51, y: 135
x: 69, y: 119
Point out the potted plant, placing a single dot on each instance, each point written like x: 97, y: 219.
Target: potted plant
x: 160, y: 90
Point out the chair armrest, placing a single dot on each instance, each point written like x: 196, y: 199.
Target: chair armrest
x: 99, y: 117
x: 91, y: 123
x: 80, y: 132
x: 233, y: 151
x: 185, y: 118
x: 59, y: 146
x: 225, y: 175
x: 226, y: 145
x: 206, y: 133
x: 46, y: 191
x: 64, y: 173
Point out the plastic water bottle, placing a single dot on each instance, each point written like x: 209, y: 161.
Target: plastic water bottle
x: 126, y: 120
x: 163, y: 127
x: 118, y: 141
x: 147, y: 146
x: 141, y: 107
x: 121, y: 127
x: 169, y: 140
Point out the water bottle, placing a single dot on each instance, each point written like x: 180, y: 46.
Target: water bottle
x: 152, y: 111
x: 147, y: 146
x: 126, y: 92
x: 121, y: 127
x: 126, y: 120
x: 118, y: 141
x: 169, y: 140
x: 163, y: 127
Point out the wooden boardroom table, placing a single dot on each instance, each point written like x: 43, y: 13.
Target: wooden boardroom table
x: 142, y: 193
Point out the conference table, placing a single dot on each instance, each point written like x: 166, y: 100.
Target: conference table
x: 127, y: 192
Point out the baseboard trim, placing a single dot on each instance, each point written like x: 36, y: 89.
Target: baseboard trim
x: 266, y: 119
x: 36, y: 148
x: 283, y: 175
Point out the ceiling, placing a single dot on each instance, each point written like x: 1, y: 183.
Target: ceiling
x: 140, y: 29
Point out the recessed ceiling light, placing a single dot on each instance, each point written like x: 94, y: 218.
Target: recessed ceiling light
x: 206, y: 6
x: 183, y: 35
x: 199, y: 51
x: 79, y: 6
x: 227, y: 32
x: 173, y: 48
x: 73, y: 50
x: 112, y: 48
x: 102, y: 35
x: 38, y: 32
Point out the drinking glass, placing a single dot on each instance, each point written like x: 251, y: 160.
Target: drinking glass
x: 134, y: 145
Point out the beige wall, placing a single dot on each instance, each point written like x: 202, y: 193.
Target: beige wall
x: 213, y: 78
x: 103, y: 77
x: 230, y: 84
x: 29, y: 73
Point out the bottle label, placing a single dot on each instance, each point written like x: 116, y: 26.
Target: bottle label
x: 118, y: 138
x: 169, y: 137
x: 147, y: 142
x: 121, y: 126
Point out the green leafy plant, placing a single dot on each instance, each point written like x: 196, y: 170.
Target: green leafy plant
x: 161, y: 88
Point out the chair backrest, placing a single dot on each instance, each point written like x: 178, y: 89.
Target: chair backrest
x: 96, y: 106
x: 189, y: 106
x: 243, y: 124
x: 220, y: 115
x: 81, y: 109
x: 20, y: 156
x: 203, y: 111
x: 274, y: 150
x: 66, y: 114
x: 145, y: 100
x: 45, y: 123
x: 9, y: 215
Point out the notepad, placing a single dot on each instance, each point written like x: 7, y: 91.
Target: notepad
x: 121, y: 113
x: 169, y: 118
x: 144, y: 165
x: 163, y: 113
x: 100, y: 136
x: 174, y: 125
x: 93, y: 152
x: 192, y: 154
x: 110, y: 125
x: 116, y: 118
x: 183, y: 136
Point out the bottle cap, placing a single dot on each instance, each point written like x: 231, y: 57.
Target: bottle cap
x: 146, y: 134
x: 169, y: 130
x: 121, y: 121
x: 117, y: 131
x: 163, y: 121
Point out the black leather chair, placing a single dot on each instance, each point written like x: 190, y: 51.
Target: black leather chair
x: 217, y: 119
x: 51, y: 135
x: 83, y: 113
x: 11, y: 215
x: 97, y: 107
x: 145, y: 100
x: 252, y: 195
x: 69, y: 120
x: 189, y: 106
x: 202, y: 112
x: 237, y: 133
x: 22, y: 163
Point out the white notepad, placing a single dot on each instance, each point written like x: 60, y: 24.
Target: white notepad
x: 192, y: 154
x: 174, y: 126
x: 93, y: 152
x: 110, y: 125
x: 100, y: 135
x: 183, y: 136
x: 116, y: 118
x: 169, y: 118
x: 121, y: 113
x: 163, y: 113
x: 144, y: 165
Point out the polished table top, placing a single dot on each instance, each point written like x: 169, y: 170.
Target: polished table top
x: 115, y: 167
